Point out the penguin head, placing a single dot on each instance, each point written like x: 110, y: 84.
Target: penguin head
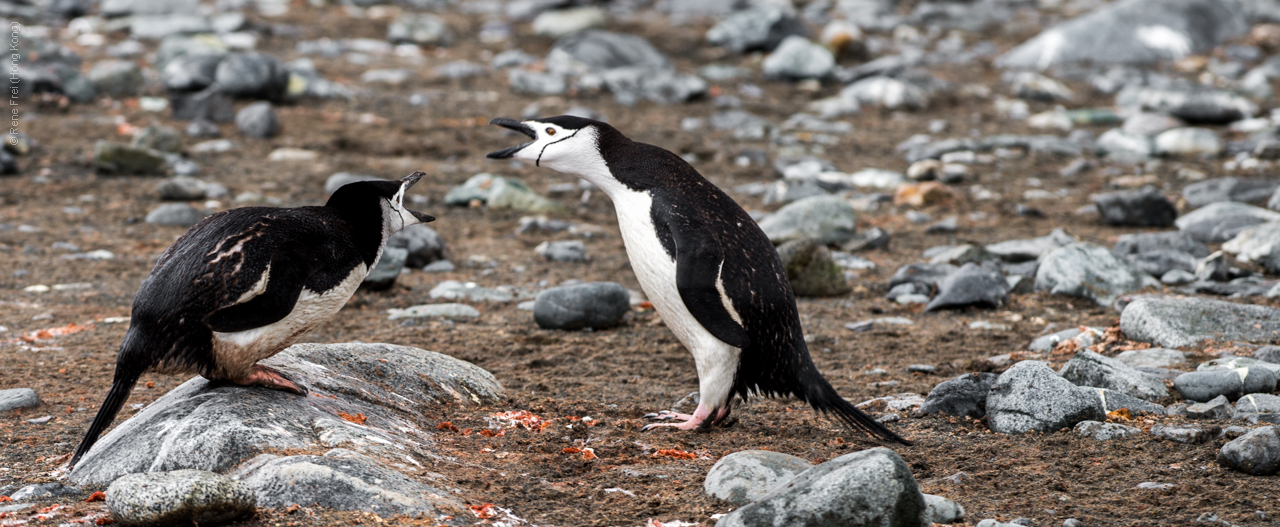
x: 387, y: 196
x: 564, y: 143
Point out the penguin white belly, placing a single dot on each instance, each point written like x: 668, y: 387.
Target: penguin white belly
x: 717, y: 362
x: 236, y: 352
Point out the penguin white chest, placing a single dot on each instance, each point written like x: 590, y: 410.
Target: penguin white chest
x: 236, y: 352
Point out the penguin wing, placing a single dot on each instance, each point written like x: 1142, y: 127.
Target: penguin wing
x: 699, y: 261
x: 271, y: 295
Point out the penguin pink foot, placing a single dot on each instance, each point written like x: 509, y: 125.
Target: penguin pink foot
x: 271, y: 378
x: 699, y: 419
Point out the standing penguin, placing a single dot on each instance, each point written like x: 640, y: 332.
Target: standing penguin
x: 709, y: 270
x: 244, y: 284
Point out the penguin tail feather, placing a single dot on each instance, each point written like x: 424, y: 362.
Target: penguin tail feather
x: 828, y: 401
x: 121, y: 387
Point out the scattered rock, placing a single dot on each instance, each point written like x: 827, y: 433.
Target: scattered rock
x: 760, y: 28
x: 1140, y: 208
x: 811, y: 270
x: 1184, y: 433
x: 1198, y: 105
x: 252, y: 74
x: 1088, y: 368
x: 596, y: 305
x: 798, y: 58
x: 560, y: 22
x: 746, y: 476
x: 1215, y: 190
x: 177, y: 214
x: 1259, y: 243
x: 972, y: 285
x: 1105, y: 431
x: 1188, y: 142
x: 178, y: 497
x: 563, y: 251
x: 258, y: 120
x: 1217, y: 408
x: 419, y: 28
x: 941, y: 510
x: 963, y: 396
x: 871, y: 487
x: 1256, y: 453
x: 15, y: 398
x: 1112, y: 401
x: 189, y: 189
x: 1025, y: 250
x: 455, y: 290
x: 1117, y: 143
x: 42, y: 491
x: 384, y: 273
x: 423, y: 244
x: 207, y: 105
x: 1152, y: 358
x: 121, y: 159
x: 116, y: 78
x: 192, y: 71
x: 433, y: 310
x: 1090, y: 271
x: 1232, y: 383
x: 1257, y: 403
x: 1030, y: 396
x: 825, y: 219
x: 1185, y: 322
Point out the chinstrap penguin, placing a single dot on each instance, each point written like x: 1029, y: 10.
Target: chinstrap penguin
x: 709, y: 270
x: 244, y: 284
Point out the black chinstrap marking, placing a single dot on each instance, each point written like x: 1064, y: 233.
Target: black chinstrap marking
x: 538, y: 162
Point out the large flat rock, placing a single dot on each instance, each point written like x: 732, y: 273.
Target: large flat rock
x: 1186, y: 322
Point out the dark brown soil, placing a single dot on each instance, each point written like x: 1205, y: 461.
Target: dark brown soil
x: 614, y: 376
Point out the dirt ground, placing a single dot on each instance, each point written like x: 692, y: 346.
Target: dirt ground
x: 614, y: 376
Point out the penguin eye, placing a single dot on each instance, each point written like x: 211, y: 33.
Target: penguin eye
x: 551, y: 131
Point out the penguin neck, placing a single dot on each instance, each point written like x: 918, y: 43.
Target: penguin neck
x: 366, y: 222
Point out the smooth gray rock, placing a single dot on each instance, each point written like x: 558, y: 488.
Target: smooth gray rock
x: 1104, y: 431
x: 563, y: 251
x: 1026, y: 250
x: 336, y: 181
x: 499, y: 193
x: 560, y: 22
x: 1267, y: 354
x: 1217, y: 408
x: 963, y: 396
x: 972, y: 285
x: 1259, y: 243
x: 424, y: 244
x: 1112, y: 401
x: 1146, y: 207
x: 1090, y: 271
x: 1186, y: 322
x: 433, y: 310
x: 1150, y: 124
x: 120, y: 159
x: 1159, y: 263
x: 798, y: 58
x: 925, y: 273
x: 188, y: 189
x: 883, y: 92
x: 206, y: 105
x: 384, y: 273
x: 596, y: 305
x: 941, y: 510
x: 1193, y: 105
x: 1117, y: 143
x: 746, y: 476
x: 1188, y: 142
x: 760, y: 28
x: 116, y: 78
x: 1050, y: 341
x: 419, y: 28
x: 631, y: 85
x: 179, y: 497
x: 15, y: 398
x: 470, y: 291
x: 811, y: 269
x: 252, y: 74
x: 1256, y: 453
x: 1224, y: 211
x: 191, y: 71
x: 1215, y: 190
x: 114, y: 8
x: 215, y: 427
x: 177, y: 214
x: 1232, y: 383
x: 1185, y: 433
x: 1030, y: 396
x: 597, y: 51
x: 1152, y: 358
x: 535, y: 82
x: 42, y: 491
x: 1088, y: 368
x: 825, y: 219
x: 873, y: 487
x: 342, y: 479
x: 1256, y: 403
x: 258, y: 120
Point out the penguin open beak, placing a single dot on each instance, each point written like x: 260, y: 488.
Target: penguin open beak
x: 512, y: 124
x: 407, y: 182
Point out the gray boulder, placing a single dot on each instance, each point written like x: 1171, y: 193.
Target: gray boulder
x: 1215, y: 190
x: 825, y: 219
x: 188, y: 189
x: 343, y: 480
x: 1146, y: 207
x: 1105, y: 431
x: 1187, y: 434
x: 563, y: 251
x: 1186, y: 322
x: 176, y: 214
x: 1188, y: 141
x: 1257, y: 403
x: 811, y: 269
x: 1194, y: 105
x: 1090, y: 271
x: 596, y: 305
x: 972, y: 285
x: 630, y: 85
x: 798, y: 58
x: 1026, y: 250
x: 424, y: 244
x: 180, y: 497
x: 157, y: 137
x: 963, y: 396
x: 1112, y: 401
x: 597, y: 51
x: 941, y: 510
x: 869, y: 488
x: 1152, y: 358
x: 384, y: 273
x: 760, y: 28
x: 1259, y: 243
x: 208, y: 105
x: 1232, y: 383
x: 116, y: 78
x: 1116, y: 143
x: 1216, y: 408
x: 1256, y: 453
x: 191, y: 71
x: 537, y: 83
x: 1030, y: 396
x: 15, y: 398
x: 1088, y: 368
x: 204, y: 426
x: 455, y: 290
x: 258, y: 120
x: 746, y: 476
x: 41, y: 491
x: 253, y: 75
x: 1224, y: 211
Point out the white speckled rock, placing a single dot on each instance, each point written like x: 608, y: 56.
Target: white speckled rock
x: 1185, y: 322
x: 1090, y: 271
x: 181, y: 497
x: 1088, y: 368
x: 743, y: 477
x: 1030, y: 396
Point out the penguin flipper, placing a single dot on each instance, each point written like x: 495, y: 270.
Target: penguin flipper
x: 698, y: 266
x: 285, y: 279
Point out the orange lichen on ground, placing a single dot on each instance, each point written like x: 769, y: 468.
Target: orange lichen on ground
x: 96, y: 496
x: 447, y: 427
x: 359, y: 418
x: 678, y: 454
x: 484, y: 511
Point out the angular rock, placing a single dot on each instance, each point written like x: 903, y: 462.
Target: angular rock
x: 1030, y: 396
x: 1202, y: 193
x: 1152, y: 358
x: 1256, y: 453
x: 630, y: 85
x: 972, y: 285
x: 1259, y: 243
x: 258, y: 120
x: 215, y: 427
x: 207, y: 105
x: 811, y: 270
x: 760, y: 28
x: 15, y: 398
x: 1090, y: 271
x: 159, y: 138
x: 563, y: 251
x: 1185, y: 322
x: 941, y: 510
x: 798, y: 58
x: 748, y: 475
x: 343, y: 480
x: 188, y: 189
x: 1112, y: 401
x: 424, y: 245
x: 1224, y: 211
x: 1256, y: 403
x: 1105, y: 431
x: 116, y: 78
x: 538, y: 83
x: 1146, y: 207
x: 1088, y: 368
x: 180, y: 497
x: 252, y: 74
x: 191, y: 72
x: 963, y: 396
x: 1217, y: 408
x: 596, y: 51
x: 925, y: 273
x: 871, y: 487
x: 120, y: 159
x: 384, y: 273
x: 885, y: 92
x: 1185, y: 433
x: 825, y: 219
x: 1025, y: 250
x: 596, y: 305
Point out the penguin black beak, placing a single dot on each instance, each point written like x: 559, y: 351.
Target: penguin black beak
x: 512, y: 124
x: 407, y: 182
x: 424, y: 218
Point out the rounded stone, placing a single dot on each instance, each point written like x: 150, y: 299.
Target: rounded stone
x: 178, y: 498
x: 743, y: 477
x: 594, y: 305
x: 1257, y: 452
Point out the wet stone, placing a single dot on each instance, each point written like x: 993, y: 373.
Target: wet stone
x: 595, y: 305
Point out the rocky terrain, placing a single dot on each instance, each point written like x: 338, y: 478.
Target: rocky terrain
x: 1038, y: 238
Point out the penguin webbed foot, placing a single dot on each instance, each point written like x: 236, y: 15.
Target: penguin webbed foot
x: 702, y: 419
x: 273, y: 379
